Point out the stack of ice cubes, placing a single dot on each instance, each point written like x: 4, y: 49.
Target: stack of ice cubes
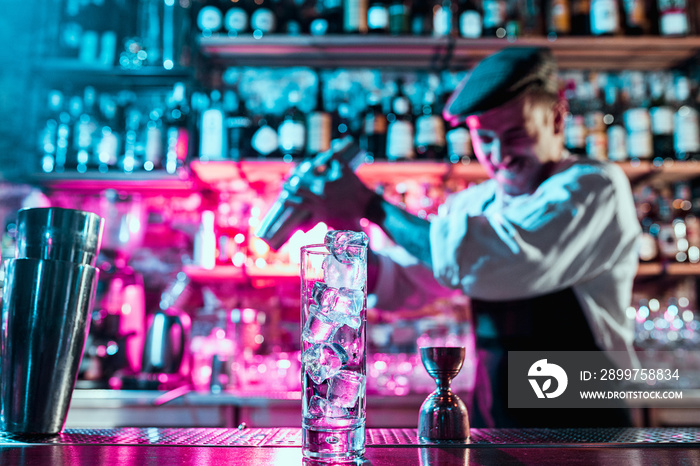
x: 333, y: 361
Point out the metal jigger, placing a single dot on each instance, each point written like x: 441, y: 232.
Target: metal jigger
x: 443, y: 416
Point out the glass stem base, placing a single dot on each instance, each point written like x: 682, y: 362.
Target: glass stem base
x: 338, y: 444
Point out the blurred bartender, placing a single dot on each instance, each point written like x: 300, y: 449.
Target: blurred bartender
x: 546, y: 248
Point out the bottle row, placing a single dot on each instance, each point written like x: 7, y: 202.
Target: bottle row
x: 115, y: 132
x: 257, y: 117
x: 152, y: 32
x: 670, y: 224
x: 295, y: 113
x: 666, y: 323
x: 464, y: 18
x: 632, y: 115
x: 129, y: 33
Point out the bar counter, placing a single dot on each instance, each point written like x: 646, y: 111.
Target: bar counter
x: 282, y: 446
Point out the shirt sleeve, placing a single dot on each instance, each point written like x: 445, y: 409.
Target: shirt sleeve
x: 404, y: 283
x: 565, y: 233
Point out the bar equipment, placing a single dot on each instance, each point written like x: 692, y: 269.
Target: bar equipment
x: 118, y: 326
x: 48, y: 293
x: 59, y: 234
x: 443, y: 415
x: 165, y: 344
x: 285, y: 215
x: 164, y: 360
x: 333, y: 361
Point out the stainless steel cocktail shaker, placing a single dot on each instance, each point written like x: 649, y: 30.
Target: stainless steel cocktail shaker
x: 47, y: 296
x: 286, y: 215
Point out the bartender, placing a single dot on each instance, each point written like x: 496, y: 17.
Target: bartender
x: 546, y: 248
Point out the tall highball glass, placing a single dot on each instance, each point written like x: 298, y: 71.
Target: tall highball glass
x: 333, y: 363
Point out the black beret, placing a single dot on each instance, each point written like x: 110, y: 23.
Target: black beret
x: 500, y: 77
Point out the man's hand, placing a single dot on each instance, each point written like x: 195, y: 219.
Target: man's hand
x: 342, y: 202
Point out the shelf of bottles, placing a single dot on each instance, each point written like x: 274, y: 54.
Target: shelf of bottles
x: 117, y: 39
x: 254, y: 117
x: 132, y: 39
x: 595, y: 53
x: 603, y: 34
x: 261, y: 120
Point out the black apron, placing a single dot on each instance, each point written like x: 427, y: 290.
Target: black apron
x: 551, y: 322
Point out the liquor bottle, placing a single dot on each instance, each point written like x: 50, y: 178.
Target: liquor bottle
x: 318, y: 125
x: 236, y: 18
x: 580, y: 17
x: 70, y: 30
x: 75, y: 110
x: 329, y: 18
x: 149, y: 22
x: 514, y: 20
x: 114, y: 15
x: 355, y: 16
x: 575, y: 134
x: 442, y: 18
x: 684, y: 222
x: 264, y: 138
x: 687, y: 209
x: 459, y: 145
x: 129, y: 160
x: 342, y: 122
x: 153, y: 151
x: 575, y: 91
x: 238, y: 126
x: 637, y: 118
x: 286, y: 14
x: 373, y: 138
x: 647, y: 208
x: 673, y: 18
x: 86, y: 131
x: 48, y: 137
x: 532, y: 17
x: 110, y: 135
x: 686, y: 136
x: 210, y: 19
x: 177, y: 130
x: 594, y: 117
x: 469, y: 19
x: 291, y: 133
x: 605, y: 17
x: 399, y: 141
x: 494, y: 18
x: 430, y: 130
x: 378, y: 17
x: 91, y: 22
x: 64, y: 145
x: 296, y: 16
x: 616, y: 132
x: 212, y: 131
x: 262, y: 19
x: 668, y: 238
x: 559, y: 18
x: 636, y: 19
x: 661, y: 114
x: 204, y: 253
x: 399, y: 17
x: 421, y: 18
